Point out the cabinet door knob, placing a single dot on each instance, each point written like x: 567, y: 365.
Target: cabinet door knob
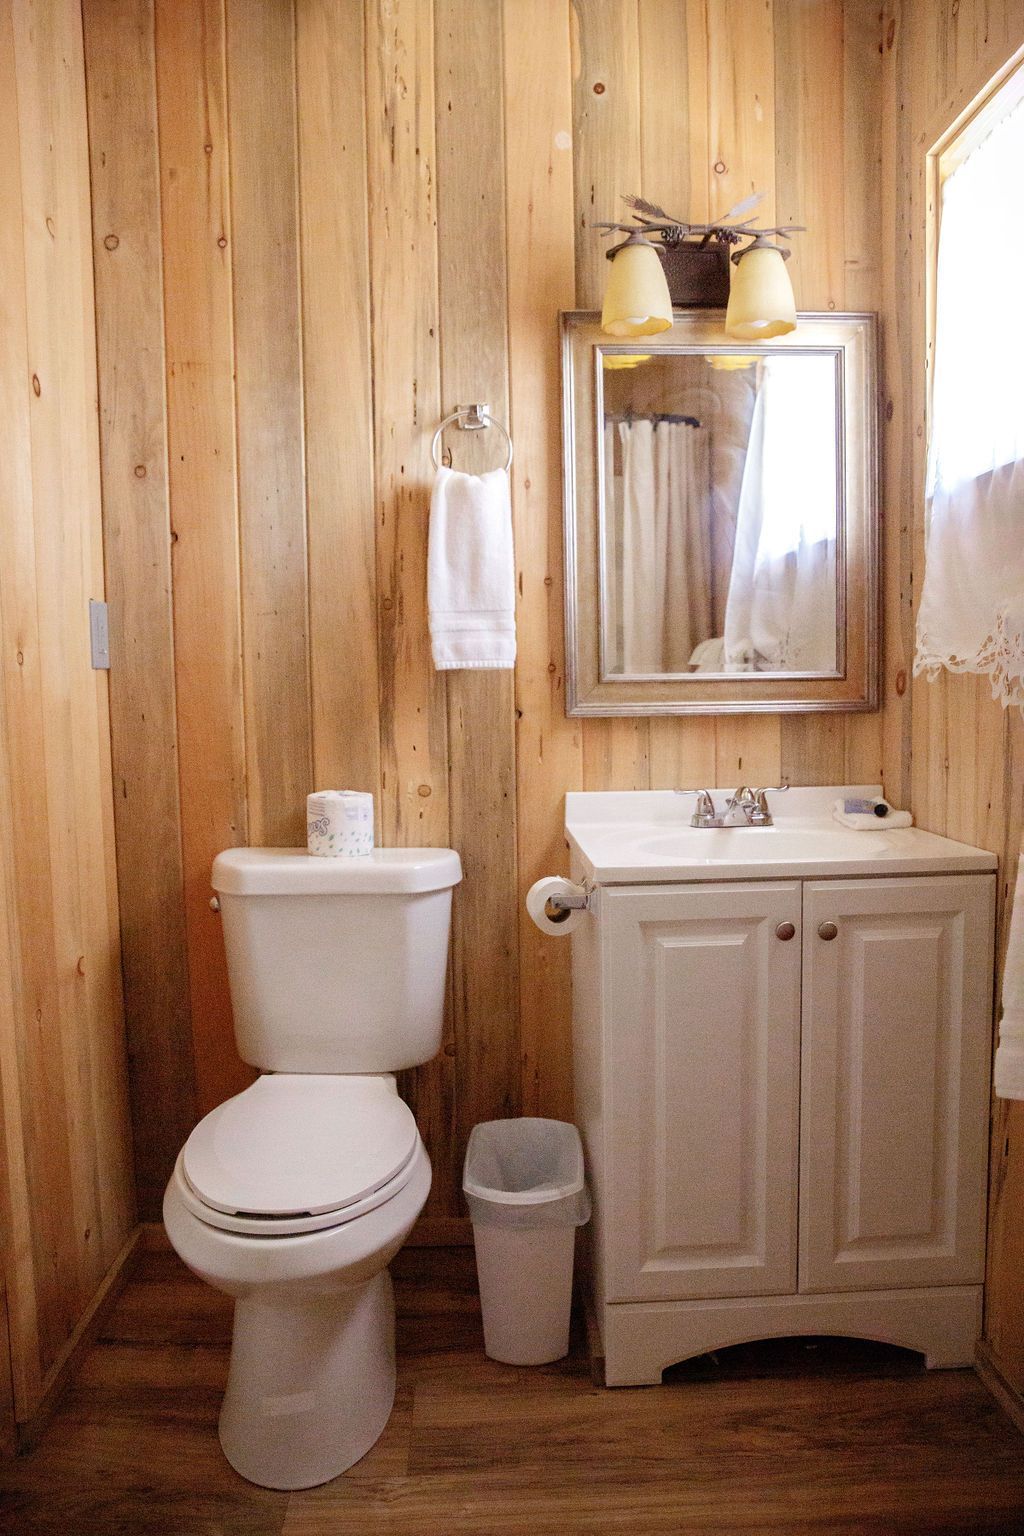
x: 785, y: 931
x: 827, y: 930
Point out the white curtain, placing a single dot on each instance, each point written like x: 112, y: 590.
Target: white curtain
x: 664, y: 571
x: 971, y: 617
x: 780, y: 613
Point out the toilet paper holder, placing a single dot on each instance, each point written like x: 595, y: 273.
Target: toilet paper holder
x: 562, y: 903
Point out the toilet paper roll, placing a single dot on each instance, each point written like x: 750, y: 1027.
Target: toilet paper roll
x: 555, y: 923
x: 339, y: 823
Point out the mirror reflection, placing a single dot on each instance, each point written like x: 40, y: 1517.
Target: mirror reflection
x: 720, y: 512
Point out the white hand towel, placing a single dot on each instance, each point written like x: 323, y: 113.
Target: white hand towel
x: 1010, y: 1052
x: 867, y: 821
x: 471, y: 578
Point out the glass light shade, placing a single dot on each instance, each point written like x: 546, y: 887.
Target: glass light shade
x: 731, y: 362
x: 636, y: 297
x: 761, y: 303
x: 614, y: 360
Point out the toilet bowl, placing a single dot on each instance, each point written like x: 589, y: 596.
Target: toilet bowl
x: 294, y: 1195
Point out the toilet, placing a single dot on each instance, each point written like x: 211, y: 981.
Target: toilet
x: 294, y: 1196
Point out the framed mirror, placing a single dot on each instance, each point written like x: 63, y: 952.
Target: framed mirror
x: 721, y: 518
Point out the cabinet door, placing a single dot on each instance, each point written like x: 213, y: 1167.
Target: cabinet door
x: 702, y: 999
x: 895, y: 1081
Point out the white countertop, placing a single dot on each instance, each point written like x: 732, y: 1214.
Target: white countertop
x: 633, y: 837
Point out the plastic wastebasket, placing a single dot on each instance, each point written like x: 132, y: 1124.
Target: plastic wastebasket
x: 524, y: 1183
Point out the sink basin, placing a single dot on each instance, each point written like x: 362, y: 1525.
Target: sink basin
x: 759, y: 845
x: 642, y: 836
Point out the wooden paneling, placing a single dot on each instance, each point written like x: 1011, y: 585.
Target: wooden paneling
x: 369, y: 214
x: 473, y: 318
x: 549, y: 761
x: 68, y: 1201
x: 262, y: 134
x: 331, y: 104
x: 137, y: 538
x: 198, y: 324
x: 965, y: 772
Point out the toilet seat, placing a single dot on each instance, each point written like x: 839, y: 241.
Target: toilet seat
x: 298, y: 1153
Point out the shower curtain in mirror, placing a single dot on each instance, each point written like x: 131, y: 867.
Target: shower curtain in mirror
x: 662, y: 578
x: 780, y: 615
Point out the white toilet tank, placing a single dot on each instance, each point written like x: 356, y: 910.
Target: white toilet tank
x: 336, y: 965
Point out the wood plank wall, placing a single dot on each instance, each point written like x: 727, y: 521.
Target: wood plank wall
x: 67, y: 1203
x: 319, y: 225
x: 966, y: 753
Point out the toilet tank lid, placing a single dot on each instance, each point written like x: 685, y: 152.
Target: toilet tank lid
x: 294, y: 872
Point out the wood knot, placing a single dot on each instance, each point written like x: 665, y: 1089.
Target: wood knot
x: 901, y: 683
x: 21, y: 658
x: 37, y: 388
x: 111, y: 242
x: 140, y: 471
x: 599, y: 87
x: 80, y: 967
x: 423, y: 791
x: 222, y: 242
x: 719, y: 167
x: 889, y: 408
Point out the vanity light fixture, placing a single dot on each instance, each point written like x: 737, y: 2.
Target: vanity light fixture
x: 666, y: 261
x: 613, y: 361
x: 636, y: 297
x: 731, y: 362
x: 761, y: 302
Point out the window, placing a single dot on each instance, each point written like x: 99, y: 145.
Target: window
x: 971, y: 617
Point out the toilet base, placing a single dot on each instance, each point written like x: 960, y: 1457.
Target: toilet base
x: 311, y: 1382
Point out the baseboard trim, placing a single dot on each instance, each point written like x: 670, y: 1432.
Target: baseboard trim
x: 1009, y: 1399
x: 61, y: 1374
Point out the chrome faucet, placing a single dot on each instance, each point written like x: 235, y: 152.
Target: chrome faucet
x: 746, y: 808
x: 704, y: 813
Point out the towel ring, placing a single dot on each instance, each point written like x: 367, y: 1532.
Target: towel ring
x: 470, y: 418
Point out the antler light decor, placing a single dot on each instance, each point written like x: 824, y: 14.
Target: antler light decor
x: 689, y: 264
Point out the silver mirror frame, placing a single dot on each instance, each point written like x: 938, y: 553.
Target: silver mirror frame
x: 854, y: 687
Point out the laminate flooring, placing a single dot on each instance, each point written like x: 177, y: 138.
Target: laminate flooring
x: 793, y: 1438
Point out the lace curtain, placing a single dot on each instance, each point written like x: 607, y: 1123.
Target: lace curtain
x: 971, y: 617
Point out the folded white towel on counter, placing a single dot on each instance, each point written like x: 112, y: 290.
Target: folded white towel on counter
x: 471, y: 577
x: 867, y: 821
x: 1010, y: 1051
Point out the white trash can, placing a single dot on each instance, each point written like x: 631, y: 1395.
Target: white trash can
x: 524, y: 1184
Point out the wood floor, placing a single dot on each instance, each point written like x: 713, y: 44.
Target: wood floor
x: 783, y: 1439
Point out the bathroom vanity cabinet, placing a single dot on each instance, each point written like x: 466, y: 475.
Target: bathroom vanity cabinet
x: 783, y: 1087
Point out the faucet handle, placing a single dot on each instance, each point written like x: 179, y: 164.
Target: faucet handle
x: 704, y: 813
x: 760, y: 800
